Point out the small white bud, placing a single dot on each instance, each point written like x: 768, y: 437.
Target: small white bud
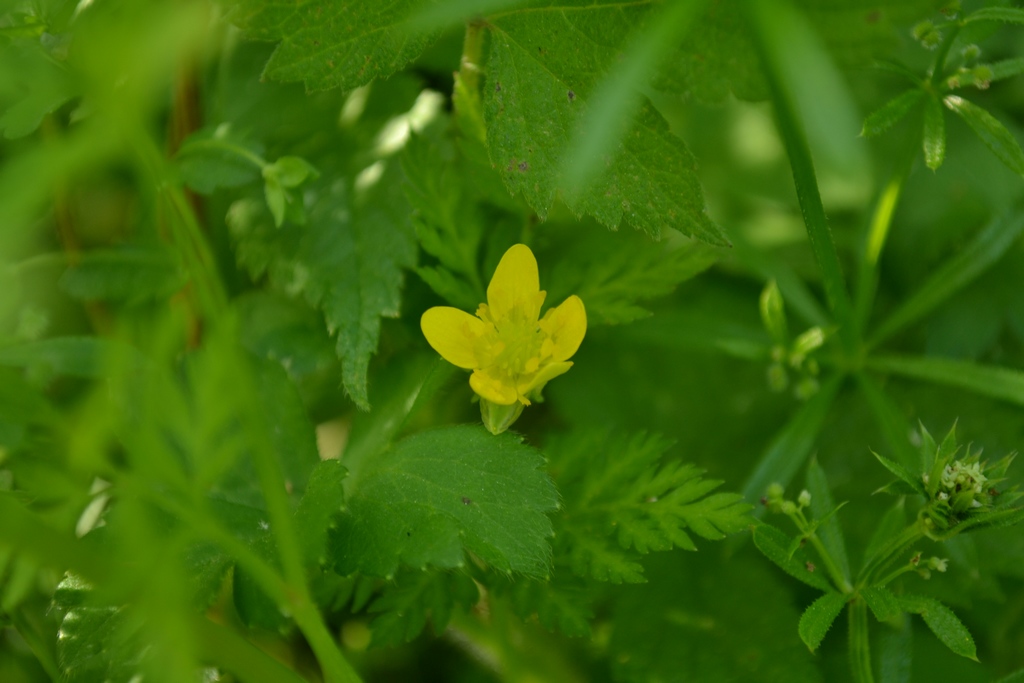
x: 804, y: 498
x: 938, y: 564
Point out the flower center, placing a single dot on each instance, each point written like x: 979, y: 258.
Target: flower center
x: 522, y: 341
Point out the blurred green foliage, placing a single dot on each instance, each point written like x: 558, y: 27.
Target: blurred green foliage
x: 227, y: 452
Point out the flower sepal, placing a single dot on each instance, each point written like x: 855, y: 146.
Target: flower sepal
x: 498, y: 418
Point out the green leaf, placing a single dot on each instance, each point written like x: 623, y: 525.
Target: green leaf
x: 128, y: 275
x: 694, y: 622
x: 943, y: 623
x: 786, y: 453
x: 896, y: 652
x: 884, y: 605
x: 537, y: 90
x: 1016, y: 677
x: 995, y: 382
x: 817, y: 619
x: 988, y: 246
x: 890, y: 113
x: 1008, y: 15
x: 890, y: 421
x: 565, y: 604
x: 402, y: 608
x: 994, y: 134
x: 324, y: 499
x: 347, y: 261
x: 440, y: 493
x: 327, y: 44
x: 903, y: 473
x: 894, y: 521
x: 612, y: 272
x: 612, y: 484
x: 823, y: 508
x: 70, y: 356
x: 215, y: 158
x: 1006, y: 68
x: 775, y: 544
x: 934, y: 134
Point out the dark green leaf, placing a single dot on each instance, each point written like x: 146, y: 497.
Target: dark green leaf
x: 884, y: 605
x: 1016, y: 677
x: 943, y: 623
x: 890, y: 113
x: 562, y: 604
x: 905, y: 475
x: 215, y: 158
x: 128, y: 275
x: 896, y: 653
x: 823, y: 508
x: 817, y: 619
x: 993, y: 133
x: 934, y: 134
x: 775, y: 546
x: 442, y: 492
x: 894, y: 521
x: 324, y: 499
x: 328, y: 44
x: 402, y: 609
x: 1000, y: 383
x: 1009, y: 15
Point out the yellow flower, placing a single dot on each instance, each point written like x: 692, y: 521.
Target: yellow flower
x: 512, y: 351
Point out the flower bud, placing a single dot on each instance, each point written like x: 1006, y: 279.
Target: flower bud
x: 498, y: 418
x: 804, y: 499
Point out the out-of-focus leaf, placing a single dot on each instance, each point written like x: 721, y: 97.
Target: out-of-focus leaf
x: 211, y: 159
x: 1008, y: 15
x: 943, y: 623
x: 327, y: 44
x: 896, y: 653
x: 823, y: 507
x: 70, y: 356
x: 402, y: 609
x: 324, y: 499
x: 993, y: 133
x: 999, y: 383
x: 934, y: 134
x: 440, y: 493
x: 129, y: 275
x: 890, y: 113
x: 818, y: 617
x: 563, y: 603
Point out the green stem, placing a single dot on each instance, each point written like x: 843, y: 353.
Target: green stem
x: 239, y: 151
x: 795, y: 141
x: 939, y: 65
x: 841, y: 582
x: 893, y: 575
x: 892, y: 549
x: 860, y: 645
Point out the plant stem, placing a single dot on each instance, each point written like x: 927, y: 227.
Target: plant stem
x: 892, y: 549
x: 860, y: 646
x: 795, y: 141
x: 841, y: 582
x: 939, y: 65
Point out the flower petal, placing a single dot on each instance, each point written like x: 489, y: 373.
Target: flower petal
x: 459, y: 337
x: 528, y: 383
x: 496, y: 389
x: 515, y: 285
x: 566, y: 324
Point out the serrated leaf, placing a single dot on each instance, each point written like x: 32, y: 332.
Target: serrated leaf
x: 934, y: 135
x: 1006, y: 68
x: 993, y: 133
x: 903, y: 473
x: 347, y: 261
x: 774, y: 544
x: 943, y: 623
x: 537, y: 88
x: 440, y: 493
x: 565, y: 605
x: 329, y: 44
x: 884, y: 605
x: 890, y: 113
x: 127, y: 275
x: 824, y: 510
x: 403, y: 608
x: 818, y: 617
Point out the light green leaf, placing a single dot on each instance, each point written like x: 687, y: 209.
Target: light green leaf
x: 440, y: 493
x: 934, y: 134
x: 402, y: 608
x: 774, y: 544
x: 1008, y: 15
x: 890, y: 113
x: 943, y: 623
x: 128, y: 275
x: 817, y: 619
x: 884, y: 605
x: 537, y: 90
x: 995, y: 382
x: 773, y: 312
x: 823, y: 508
x: 1006, y: 68
x: 984, y: 250
x: 214, y: 158
x: 993, y: 133
x: 791, y: 446
x: 347, y: 261
x: 70, y: 356
x: 328, y: 44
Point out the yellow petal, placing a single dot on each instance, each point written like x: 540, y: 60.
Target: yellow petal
x: 528, y: 383
x: 496, y: 389
x: 515, y: 285
x: 459, y: 337
x: 566, y: 324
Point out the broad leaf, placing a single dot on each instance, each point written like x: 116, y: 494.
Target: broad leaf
x: 327, y: 44
x: 817, y: 619
x: 443, y: 492
x: 943, y: 623
x: 537, y: 90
